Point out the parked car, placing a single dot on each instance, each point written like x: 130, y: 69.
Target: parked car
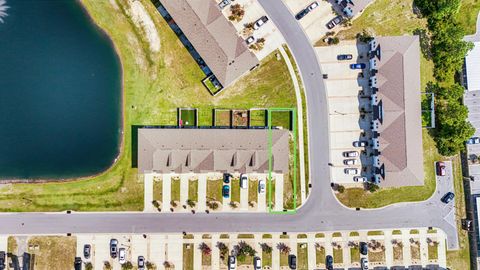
x: 122, y: 256
x: 350, y: 154
x: 358, y: 66
x: 335, y: 21
x: 250, y: 40
x: 257, y: 263
x: 364, y: 263
x: 329, y: 262
x: 363, y: 248
x: 261, y: 186
x: 360, y: 179
x: 141, y: 263
x: 360, y: 144
x: 263, y: 20
x: 448, y: 197
x: 350, y: 162
x: 473, y: 140
x: 341, y: 57
x: 2, y: 260
x: 226, y: 178
x: 77, y: 264
x: 226, y: 191
x: 232, y: 262
x: 223, y: 4
x: 301, y: 14
x: 243, y: 180
x: 86, y: 251
x: 292, y: 261
x: 312, y: 6
x: 351, y: 171
x: 441, y: 171
x: 113, y: 248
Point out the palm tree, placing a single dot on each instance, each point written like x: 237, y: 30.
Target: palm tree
x: 283, y: 248
x: 3, y: 10
x: 206, y: 250
x: 266, y: 248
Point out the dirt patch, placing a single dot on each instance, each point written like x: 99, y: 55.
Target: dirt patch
x: 240, y: 118
x: 52, y: 252
x: 142, y: 20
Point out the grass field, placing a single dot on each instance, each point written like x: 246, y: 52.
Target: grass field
x: 253, y: 190
x: 155, y: 85
x: 258, y: 118
x: 397, y: 253
x: 338, y: 255
x: 376, y: 256
x: 283, y: 259
x: 302, y: 256
x: 158, y: 190
x: 188, y: 117
x: 193, y: 190
x: 354, y: 255
x: 54, y: 252
x: 188, y: 256
x: 214, y: 190
x: 266, y: 259
x: 235, y: 190
x: 175, y: 190
x: 320, y: 255
x: 467, y: 16
x: 222, y: 118
x: 433, y: 252
x: 415, y: 252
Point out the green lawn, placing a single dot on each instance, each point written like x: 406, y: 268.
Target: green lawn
x: 385, y: 18
x: 175, y: 190
x: 281, y: 119
x: 320, y: 255
x: 188, y: 256
x: 258, y: 118
x: 338, y: 255
x: 253, y: 191
x: 302, y: 256
x: 188, y: 117
x: 193, y: 190
x: 207, y: 259
x: 271, y: 193
x: 266, y: 259
x: 155, y: 85
x: 235, y: 190
x: 467, y: 16
x: 433, y: 252
x: 214, y: 190
x: 283, y: 259
x: 354, y: 255
x: 222, y: 118
x: 158, y: 190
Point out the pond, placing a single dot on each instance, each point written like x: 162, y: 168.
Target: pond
x: 60, y: 92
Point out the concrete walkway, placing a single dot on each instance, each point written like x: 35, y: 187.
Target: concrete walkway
x: 262, y: 197
x: 298, y: 95
x: 423, y: 247
x: 388, y: 248
x: 275, y: 252
x: 215, y: 252
x: 157, y: 250
x: 175, y: 250
x: 148, y: 193
x: 278, y: 192
x: 197, y: 253
x: 407, y: 254
x: 244, y: 198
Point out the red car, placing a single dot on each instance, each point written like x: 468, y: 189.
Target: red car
x: 441, y: 168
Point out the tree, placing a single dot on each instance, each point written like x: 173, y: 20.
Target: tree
x: 439, y: 8
x: 206, y: 250
x: 237, y: 12
x: 151, y: 266
x: 283, y: 248
x: 107, y: 265
x: 88, y: 266
x: 266, y: 248
x: 191, y: 203
x: 341, y: 188
x: 223, y: 249
x: 127, y: 266
x: 212, y: 205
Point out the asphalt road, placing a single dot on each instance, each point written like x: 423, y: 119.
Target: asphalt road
x: 321, y: 211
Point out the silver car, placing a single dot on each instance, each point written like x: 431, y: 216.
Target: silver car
x: 122, y: 256
x: 261, y: 186
x: 351, y: 171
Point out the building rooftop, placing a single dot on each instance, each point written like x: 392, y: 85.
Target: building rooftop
x: 351, y: 7
x: 211, y: 150
x: 472, y: 67
x: 214, y: 38
x: 399, y: 134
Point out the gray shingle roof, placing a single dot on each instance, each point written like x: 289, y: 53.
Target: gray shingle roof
x: 213, y: 36
x: 398, y: 81
x: 211, y: 150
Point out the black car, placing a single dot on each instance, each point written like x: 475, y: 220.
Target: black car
x: 335, y: 21
x: 78, y: 263
x: 292, y: 261
x: 344, y: 57
x: 2, y: 260
x: 329, y: 262
x: 86, y: 251
x: 301, y: 14
x: 363, y: 248
x: 226, y: 178
x: 113, y: 248
x: 448, y: 197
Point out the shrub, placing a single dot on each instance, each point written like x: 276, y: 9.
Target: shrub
x: 206, y: 250
x: 237, y: 12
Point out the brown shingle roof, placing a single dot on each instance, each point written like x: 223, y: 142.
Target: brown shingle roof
x: 211, y: 150
x: 398, y: 81
x: 213, y: 36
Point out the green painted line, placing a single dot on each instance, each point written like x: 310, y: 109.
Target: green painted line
x: 294, y: 131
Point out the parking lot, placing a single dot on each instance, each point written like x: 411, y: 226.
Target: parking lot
x: 349, y: 107
x: 268, y: 31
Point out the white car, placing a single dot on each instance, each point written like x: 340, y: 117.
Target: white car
x: 122, y: 256
x: 250, y: 40
x: 350, y: 162
x: 364, y: 263
x: 232, y: 262
x: 473, y: 140
x: 350, y: 154
x: 261, y: 186
x: 260, y: 22
x: 312, y: 6
x: 351, y: 171
x: 257, y: 263
x: 359, y: 179
x: 243, y: 181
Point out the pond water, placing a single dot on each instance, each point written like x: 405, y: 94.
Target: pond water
x: 60, y: 92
